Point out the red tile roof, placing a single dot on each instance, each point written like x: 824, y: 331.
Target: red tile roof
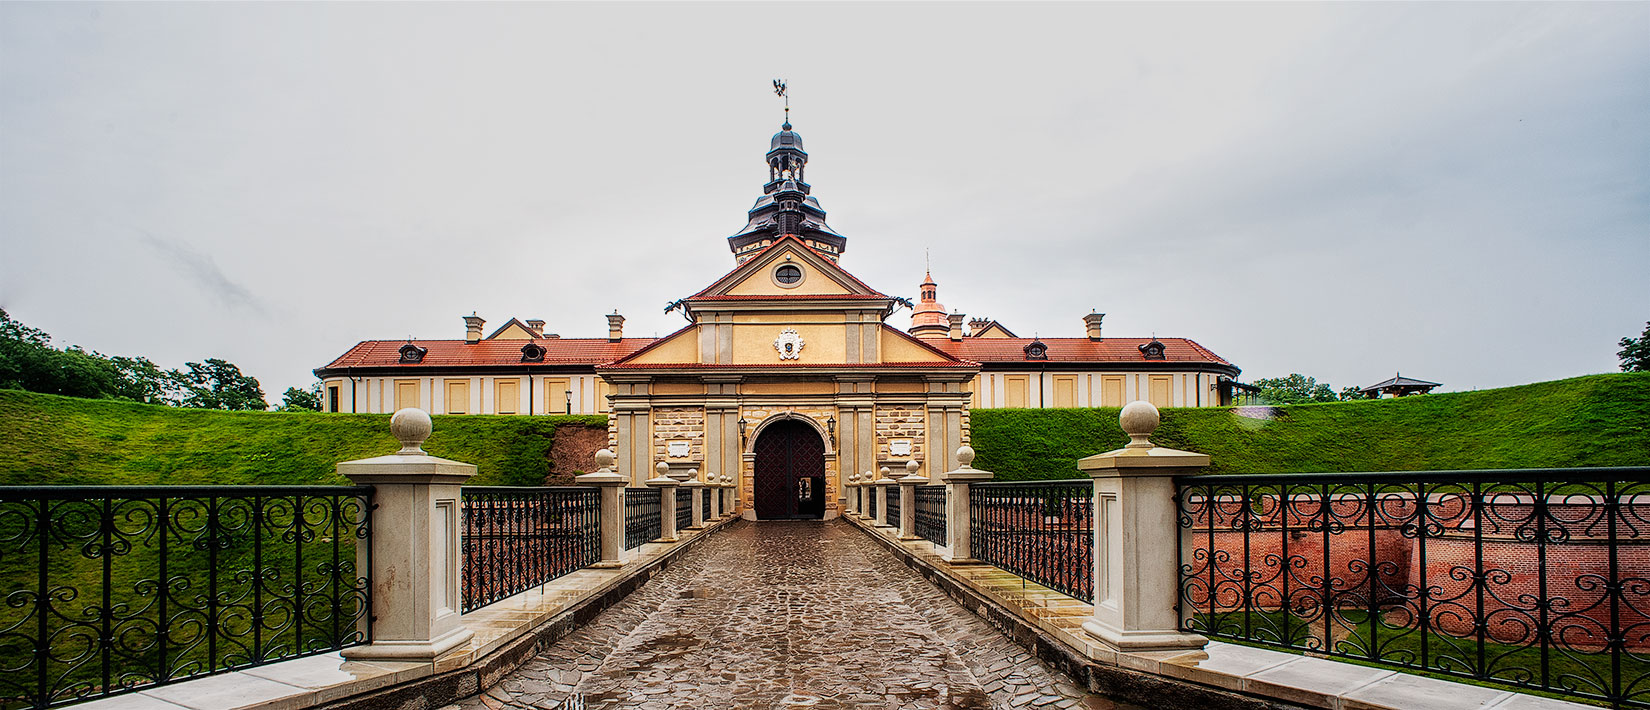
x: 993, y: 350
x: 457, y: 353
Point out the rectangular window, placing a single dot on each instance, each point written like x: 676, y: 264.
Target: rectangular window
x: 458, y: 396
x: 1111, y: 390
x: 556, y: 395
x: 1161, y: 390
x: 406, y: 394
x: 1014, y: 391
x: 506, y: 396
x: 602, y: 391
x: 1065, y: 391
x: 332, y: 399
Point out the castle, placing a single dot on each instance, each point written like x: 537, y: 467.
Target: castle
x: 788, y: 375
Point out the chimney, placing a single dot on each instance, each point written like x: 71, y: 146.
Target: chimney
x: 615, y: 327
x: 472, y: 328
x: 975, y: 325
x: 956, y: 320
x: 1091, y: 323
x: 537, y: 326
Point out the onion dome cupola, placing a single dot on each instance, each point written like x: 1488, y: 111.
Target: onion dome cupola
x: 928, y: 318
x: 786, y: 205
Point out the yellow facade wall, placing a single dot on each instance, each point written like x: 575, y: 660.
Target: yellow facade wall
x: 513, y: 332
x: 753, y: 344
x: 458, y: 396
x: 507, y: 396
x: 760, y: 283
x: 894, y: 348
x: 676, y: 388
x: 759, y: 388
x: 683, y: 347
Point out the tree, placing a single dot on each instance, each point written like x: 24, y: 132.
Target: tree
x: 140, y: 380
x: 1294, y: 389
x: 1352, y: 393
x: 297, y: 400
x: 1635, y: 352
x: 217, y: 384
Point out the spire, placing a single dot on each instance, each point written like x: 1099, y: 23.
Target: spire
x: 787, y: 205
x: 928, y: 319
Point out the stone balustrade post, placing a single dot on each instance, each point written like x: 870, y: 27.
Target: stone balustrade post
x: 611, y: 513
x: 908, y: 501
x: 884, y: 486
x: 698, y: 488
x: 1136, y: 571
x: 851, y: 507
x: 957, y: 521
x: 667, y: 501
x: 415, y: 553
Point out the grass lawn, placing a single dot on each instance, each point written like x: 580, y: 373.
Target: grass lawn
x: 1598, y: 420
x: 62, y: 440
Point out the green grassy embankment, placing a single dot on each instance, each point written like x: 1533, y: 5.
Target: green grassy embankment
x: 1598, y: 420
x: 47, y: 439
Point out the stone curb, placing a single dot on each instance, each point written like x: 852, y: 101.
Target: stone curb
x: 1141, y: 688
x: 446, y: 688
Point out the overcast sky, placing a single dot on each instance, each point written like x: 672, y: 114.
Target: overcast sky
x: 1458, y: 191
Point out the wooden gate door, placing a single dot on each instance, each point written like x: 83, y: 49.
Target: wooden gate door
x: 790, y: 472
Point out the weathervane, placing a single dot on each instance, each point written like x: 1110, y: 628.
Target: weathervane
x: 779, y: 89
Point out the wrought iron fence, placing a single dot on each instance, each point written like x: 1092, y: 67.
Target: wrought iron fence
x: 112, y: 589
x: 892, y: 505
x: 931, y: 513
x: 518, y: 538
x: 871, y: 500
x: 1041, y: 530
x: 684, y: 508
x: 1534, y: 578
x: 704, y: 502
x: 642, y: 516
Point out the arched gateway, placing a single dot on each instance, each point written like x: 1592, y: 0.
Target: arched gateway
x: 789, y: 472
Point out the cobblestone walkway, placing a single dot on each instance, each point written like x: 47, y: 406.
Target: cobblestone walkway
x: 784, y: 615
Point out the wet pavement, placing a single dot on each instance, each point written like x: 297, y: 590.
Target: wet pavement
x: 786, y: 615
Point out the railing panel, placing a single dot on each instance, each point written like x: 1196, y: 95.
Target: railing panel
x: 931, y: 513
x: 642, y: 513
x: 519, y: 538
x: 684, y: 509
x: 1538, y: 579
x: 704, y: 503
x: 1040, y: 530
x: 893, y: 495
x: 111, y: 589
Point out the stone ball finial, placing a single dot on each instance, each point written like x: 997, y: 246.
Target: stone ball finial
x: 1139, y: 419
x: 885, y: 472
x: 684, y: 476
x: 852, y: 477
x: 411, y: 426
x: 662, y: 468
x: 965, y: 456
x: 605, y: 459
x: 911, y: 467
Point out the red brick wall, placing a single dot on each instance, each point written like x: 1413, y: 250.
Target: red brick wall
x: 1382, y: 559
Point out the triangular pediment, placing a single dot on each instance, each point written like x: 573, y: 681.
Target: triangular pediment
x: 787, y: 269
x: 514, y: 330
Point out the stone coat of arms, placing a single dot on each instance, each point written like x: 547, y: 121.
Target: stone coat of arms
x: 789, y: 344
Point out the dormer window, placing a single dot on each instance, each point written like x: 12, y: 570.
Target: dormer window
x: 532, y: 352
x: 412, y: 354
x: 1152, y: 350
x: 1036, y: 350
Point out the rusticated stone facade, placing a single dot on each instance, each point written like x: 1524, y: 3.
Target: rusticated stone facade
x: 679, y: 424
x: 899, y: 422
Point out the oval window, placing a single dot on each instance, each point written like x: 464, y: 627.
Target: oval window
x: 788, y: 274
